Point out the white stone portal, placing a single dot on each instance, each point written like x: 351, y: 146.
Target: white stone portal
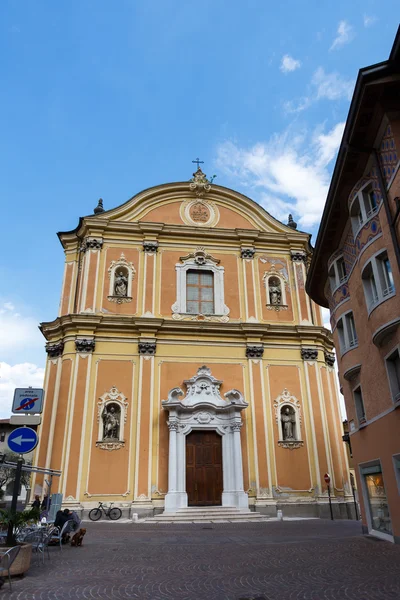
x: 203, y: 409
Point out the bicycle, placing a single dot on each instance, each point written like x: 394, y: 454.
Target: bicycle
x: 112, y: 513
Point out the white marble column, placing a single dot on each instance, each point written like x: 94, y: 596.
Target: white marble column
x: 176, y: 497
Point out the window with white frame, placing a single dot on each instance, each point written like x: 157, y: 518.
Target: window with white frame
x: 199, y: 286
x: 347, y: 334
x: 377, y: 280
x: 393, y: 371
x: 359, y: 405
x: 364, y: 206
x: 337, y: 273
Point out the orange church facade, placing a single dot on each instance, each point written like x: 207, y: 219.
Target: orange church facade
x: 187, y: 365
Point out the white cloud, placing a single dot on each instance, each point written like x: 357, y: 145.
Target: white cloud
x: 369, y: 20
x: 288, y: 173
x: 328, y: 86
x: 13, y: 376
x: 289, y: 64
x: 20, y: 338
x: 345, y: 34
x: 326, y: 317
x: 331, y: 85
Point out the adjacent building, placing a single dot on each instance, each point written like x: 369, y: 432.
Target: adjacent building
x: 187, y: 365
x: 355, y: 271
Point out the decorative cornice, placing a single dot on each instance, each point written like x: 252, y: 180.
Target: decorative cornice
x: 247, y: 252
x: 253, y: 351
x: 309, y: 354
x: 200, y: 257
x: 147, y: 348
x: 98, y: 324
x: 329, y: 359
x: 85, y: 345
x: 91, y: 244
x: 55, y: 350
x: 150, y: 246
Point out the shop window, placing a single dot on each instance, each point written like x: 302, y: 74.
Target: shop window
x: 376, y: 500
x: 359, y: 404
x: 393, y: 371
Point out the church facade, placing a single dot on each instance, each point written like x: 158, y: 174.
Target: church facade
x: 187, y: 365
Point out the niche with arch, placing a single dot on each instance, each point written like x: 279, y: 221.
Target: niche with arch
x: 121, y: 274
x: 275, y: 288
x: 112, y: 412
x: 288, y: 418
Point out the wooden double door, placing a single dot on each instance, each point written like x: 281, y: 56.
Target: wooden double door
x: 204, y: 468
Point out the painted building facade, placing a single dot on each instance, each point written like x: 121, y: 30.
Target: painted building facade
x: 187, y: 365
x: 355, y: 271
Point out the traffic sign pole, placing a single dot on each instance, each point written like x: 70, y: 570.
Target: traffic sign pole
x: 327, y: 478
x: 17, y: 483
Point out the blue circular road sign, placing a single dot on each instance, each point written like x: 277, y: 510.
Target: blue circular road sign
x: 22, y: 440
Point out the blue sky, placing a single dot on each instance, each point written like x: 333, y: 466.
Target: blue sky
x: 103, y: 99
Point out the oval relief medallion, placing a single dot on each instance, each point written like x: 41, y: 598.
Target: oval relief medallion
x: 199, y: 213
x: 202, y: 213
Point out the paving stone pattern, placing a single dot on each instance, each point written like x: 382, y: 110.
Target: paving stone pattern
x: 295, y: 560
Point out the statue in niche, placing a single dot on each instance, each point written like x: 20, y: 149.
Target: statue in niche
x: 121, y: 284
x: 288, y: 423
x: 275, y: 292
x: 111, y: 422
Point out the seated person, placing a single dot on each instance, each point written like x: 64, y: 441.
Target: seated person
x: 73, y: 524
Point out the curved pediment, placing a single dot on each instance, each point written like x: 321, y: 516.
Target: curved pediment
x: 197, y: 203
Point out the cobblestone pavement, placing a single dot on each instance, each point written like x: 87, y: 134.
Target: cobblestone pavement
x: 294, y: 560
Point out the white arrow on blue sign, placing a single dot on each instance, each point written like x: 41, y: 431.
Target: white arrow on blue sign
x: 22, y: 440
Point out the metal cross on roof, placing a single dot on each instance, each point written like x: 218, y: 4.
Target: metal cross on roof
x: 198, y: 162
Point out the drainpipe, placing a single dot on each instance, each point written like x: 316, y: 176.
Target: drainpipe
x: 391, y: 221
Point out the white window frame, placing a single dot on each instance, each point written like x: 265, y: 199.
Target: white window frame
x: 365, y: 206
x: 384, y: 288
x: 335, y: 278
x: 393, y: 378
x: 190, y: 264
x: 346, y: 341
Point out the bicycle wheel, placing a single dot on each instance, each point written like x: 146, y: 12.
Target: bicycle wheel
x: 95, y: 514
x: 115, y: 514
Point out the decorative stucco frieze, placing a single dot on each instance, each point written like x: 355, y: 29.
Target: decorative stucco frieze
x: 55, y: 350
x: 247, y: 253
x: 309, y: 354
x: 147, y: 348
x: 329, y: 359
x: 150, y: 246
x: 110, y: 445
x: 254, y: 351
x: 85, y: 345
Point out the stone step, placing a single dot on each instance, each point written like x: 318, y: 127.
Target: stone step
x: 221, y: 509
x: 174, y: 517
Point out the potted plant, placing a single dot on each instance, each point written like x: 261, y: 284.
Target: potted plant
x: 14, y: 522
